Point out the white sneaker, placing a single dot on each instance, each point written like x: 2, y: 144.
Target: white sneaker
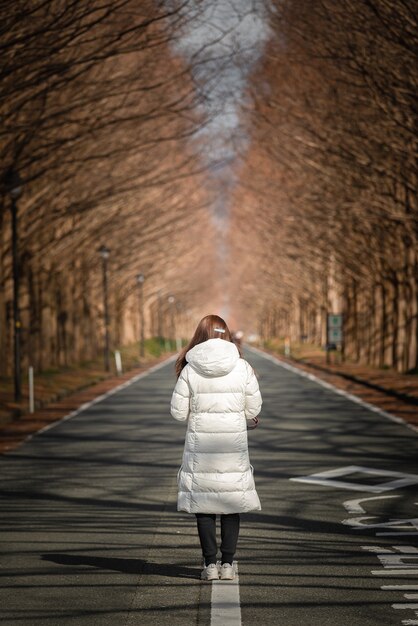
x: 227, y: 571
x: 210, y: 572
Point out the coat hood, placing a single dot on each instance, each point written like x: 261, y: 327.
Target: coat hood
x: 214, y: 357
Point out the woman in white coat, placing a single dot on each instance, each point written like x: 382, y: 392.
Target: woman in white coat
x: 217, y: 394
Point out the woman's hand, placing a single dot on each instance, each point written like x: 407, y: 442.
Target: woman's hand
x: 252, y: 423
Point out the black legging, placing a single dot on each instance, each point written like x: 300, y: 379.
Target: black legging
x: 206, y: 527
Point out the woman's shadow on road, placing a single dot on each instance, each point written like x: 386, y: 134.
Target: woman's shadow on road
x: 126, y: 566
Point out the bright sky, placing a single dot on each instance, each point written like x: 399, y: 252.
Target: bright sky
x: 222, y: 42
x: 225, y: 38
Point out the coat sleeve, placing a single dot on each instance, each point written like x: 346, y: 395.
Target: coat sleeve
x: 253, y: 400
x: 180, y: 400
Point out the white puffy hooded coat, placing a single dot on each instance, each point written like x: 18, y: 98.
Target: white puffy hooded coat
x: 216, y: 392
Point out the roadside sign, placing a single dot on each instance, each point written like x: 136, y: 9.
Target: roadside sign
x: 335, y: 321
x: 335, y: 335
x: 334, y: 328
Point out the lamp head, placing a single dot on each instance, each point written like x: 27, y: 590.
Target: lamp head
x: 13, y: 184
x: 104, y: 252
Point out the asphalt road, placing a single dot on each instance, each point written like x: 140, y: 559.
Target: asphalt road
x: 90, y: 534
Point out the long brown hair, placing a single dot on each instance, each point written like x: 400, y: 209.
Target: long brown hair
x: 205, y: 330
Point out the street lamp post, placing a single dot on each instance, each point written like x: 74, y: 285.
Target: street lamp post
x: 160, y: 319
x: 140, y: 281
x: 171, y: 300
x: 14, y: 186
x: 104, y: 253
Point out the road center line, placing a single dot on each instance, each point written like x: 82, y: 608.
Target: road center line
x: 225, y: 603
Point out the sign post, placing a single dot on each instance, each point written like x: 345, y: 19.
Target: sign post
x: 334, y: 332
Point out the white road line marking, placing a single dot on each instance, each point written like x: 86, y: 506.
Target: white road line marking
x: 411, y: 596
x: 397, y: 561
x: 354, y: 506
x: 413, y: 606
x: 377, y: 549
x: 393, y: 563
x: 97, y: 399
x: 357, y: 524
x: 406, y: 549
x: 399, y: 587
x: 394, y: 572
x: 225, y: 602
x: 323, y: 383
x: 333, y: 477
